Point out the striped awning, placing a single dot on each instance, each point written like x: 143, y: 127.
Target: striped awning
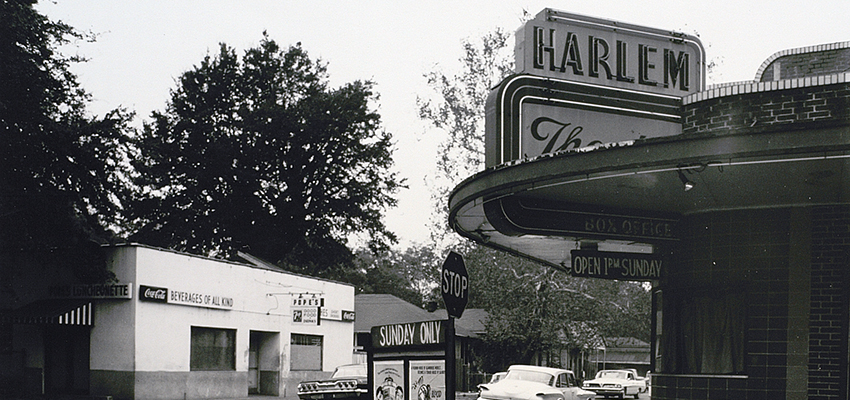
x: 53, y: 312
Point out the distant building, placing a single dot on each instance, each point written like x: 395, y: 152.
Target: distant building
x: 174, y: 326
x: 624, y: 352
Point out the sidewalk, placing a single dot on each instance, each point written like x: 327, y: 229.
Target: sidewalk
x: 458, y: 396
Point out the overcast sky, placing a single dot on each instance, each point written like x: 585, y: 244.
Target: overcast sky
x: 143, y: 46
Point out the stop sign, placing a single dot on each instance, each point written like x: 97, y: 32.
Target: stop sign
x: 455, y: 284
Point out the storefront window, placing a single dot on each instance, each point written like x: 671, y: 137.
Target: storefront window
x: 213, y: 349
x: 306, y: 352
x: 709, y: 333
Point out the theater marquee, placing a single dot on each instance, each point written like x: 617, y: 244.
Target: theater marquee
x: 530, y: 116
x: 573, y: 47
x: 584, y: 82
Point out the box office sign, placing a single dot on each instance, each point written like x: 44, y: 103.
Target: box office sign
x: 186, y: 298
x: 573, y: 47
x: 516, y: 216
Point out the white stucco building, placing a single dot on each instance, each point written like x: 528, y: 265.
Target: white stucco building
x: 177, y: 326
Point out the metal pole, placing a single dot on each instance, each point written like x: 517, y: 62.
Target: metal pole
x: 451, y: 375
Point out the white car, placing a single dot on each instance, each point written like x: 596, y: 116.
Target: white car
x: 531, y: 382
x: 493, y: 379
x: 616, y: 382
x: 645, y: 379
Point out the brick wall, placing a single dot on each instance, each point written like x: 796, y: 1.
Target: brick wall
x: 769, y: 109
x: 807, y: 64
x: 794, y: 263
x: 828, y: 319
x: 753, y: 246
x: 749, y: 249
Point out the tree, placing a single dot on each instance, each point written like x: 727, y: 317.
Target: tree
x: 258, y: 154
x: 532, y: 308
x: 409, y: 275
x: 459, y: 110
x: 61, y: 170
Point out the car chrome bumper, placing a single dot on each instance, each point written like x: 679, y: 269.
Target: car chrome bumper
x: 605, y: 391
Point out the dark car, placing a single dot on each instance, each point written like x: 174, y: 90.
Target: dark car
x: 347, y: 382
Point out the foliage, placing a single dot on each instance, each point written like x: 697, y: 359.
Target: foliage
x: 533, y: 309
x: 409, y: 275
x: 258, y: 154
x: 459, y: 110
x: 60, y: 169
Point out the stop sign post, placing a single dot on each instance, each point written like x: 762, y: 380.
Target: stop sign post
x: 455, y: 284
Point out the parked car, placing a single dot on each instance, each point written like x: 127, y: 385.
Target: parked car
x: 347, y: 382
x: 615, y: 382
x: 645, y: 379
x: 493, y: 379
x: 527, y: 382
x: 497, y: 377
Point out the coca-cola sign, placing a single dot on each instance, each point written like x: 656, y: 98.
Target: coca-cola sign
x: 185, y: 298
x: 151, y: 293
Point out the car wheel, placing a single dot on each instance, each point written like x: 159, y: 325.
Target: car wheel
x: 637, y: 394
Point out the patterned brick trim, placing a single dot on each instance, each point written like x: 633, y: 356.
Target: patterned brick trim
x: 799, y: 50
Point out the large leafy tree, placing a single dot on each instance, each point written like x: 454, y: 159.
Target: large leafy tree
x: 60, y: 168
x: 535, y: 310
x: 459, y: 110
x: 532, y: 308
x: 408, y: 274
x: 259, y: 154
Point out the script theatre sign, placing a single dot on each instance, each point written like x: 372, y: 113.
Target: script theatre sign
x: 583, y: 82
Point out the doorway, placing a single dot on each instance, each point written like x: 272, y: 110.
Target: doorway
x: 264, y: 363
x: 66, y: 360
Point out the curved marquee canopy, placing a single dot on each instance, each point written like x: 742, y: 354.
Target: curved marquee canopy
x: 629, y: 196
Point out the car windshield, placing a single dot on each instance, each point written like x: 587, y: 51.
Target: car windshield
x: 350, y: 370
x: 611, y: 374
x: 533, y: 376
